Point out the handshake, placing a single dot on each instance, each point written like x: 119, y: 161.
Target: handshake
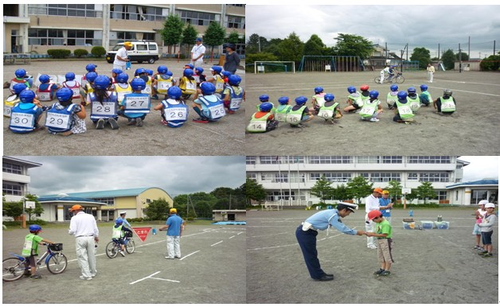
x: 368, y: 234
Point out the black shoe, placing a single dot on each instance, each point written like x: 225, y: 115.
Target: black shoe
x: 329, y: 275
x: 378, y: 272
x: 112, y: 122
x: 325, y: 277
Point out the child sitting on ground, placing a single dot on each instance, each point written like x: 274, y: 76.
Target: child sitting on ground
x: 263, y: 120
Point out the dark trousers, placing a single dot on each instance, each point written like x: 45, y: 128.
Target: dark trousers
x: 307, y: 243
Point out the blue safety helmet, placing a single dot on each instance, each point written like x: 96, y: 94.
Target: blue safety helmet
x: 424, y: 87
x: 188, y: 72
x: 138, y: 84
x: 412, y: 90
x: 70, y: 76
x: 329, y: 97
x: 300, y: 100
x: 35, y: 228
x: 20, y: 73
x: 283, y: 100
x: 119, y: 221
x: 234, y: 80
x: 162, y: 69
x: 150, y: 72
x: 374, y: 94
x: 174, y: 92
x: 266, y: 107
x: 318, y: 90
x: 191, y: 66
x: 207, y: 88
x: 394, y: 88
x: 102, y: 82
x: 139, y: 71
x: 402, y: 95
x: 264, y: 98
x: 19, y: 87
x: 169, y: 73
x: 90, y: 67
x: 116, y: 71
x: 27, y: 96
x: 64, y: 94
x: 44, y: 79
x: 199, y: 70
x: 351, y: 89
x: 90, y: 76
x: 217, y: 69
x: 122, y: 78
x: 226, y: 74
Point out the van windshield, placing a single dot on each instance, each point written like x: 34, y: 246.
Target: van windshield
x: 115, y: 48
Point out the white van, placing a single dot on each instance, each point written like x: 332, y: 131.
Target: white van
x: 140, y: 52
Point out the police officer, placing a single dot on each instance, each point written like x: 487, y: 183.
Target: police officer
x: 307, y: 232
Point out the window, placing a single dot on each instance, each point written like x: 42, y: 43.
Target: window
x: 108, y: 201
x: 69, y: 10
x: 12, y: 168
x: 434, y: 177
x: 368, y: 160
x: 269, y: 160
x: 196, y: 18
x: 252, y: 176
x: 442, y: 195
x: 80, y: 38
x: 330, y: 159
x: 293, y: 159
x: 45, y: 37
x: 385, y: 177
x: 392, y: 159
x: 235, y: 22
x: 412, y: 176
x: 277, y: 195
x: 251, y: 160
x: 429, y: 159
x: 281, y: 177
x: 125, y: 35
x: 12, y: 189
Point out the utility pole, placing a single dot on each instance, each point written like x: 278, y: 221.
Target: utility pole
x: 459, y: 59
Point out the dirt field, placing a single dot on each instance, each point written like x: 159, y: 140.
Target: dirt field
x: 431, y: 266
x: 225, y: 137
x: 472, y: 130
x: 211, y: 270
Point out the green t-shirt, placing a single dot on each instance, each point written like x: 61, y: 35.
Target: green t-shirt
x: 384, y: 227
x: 31, y: 245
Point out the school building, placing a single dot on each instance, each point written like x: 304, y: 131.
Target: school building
x: 288, y: 179
x: 15, y: 177
x: 35, y: 28
x: 104, y: 205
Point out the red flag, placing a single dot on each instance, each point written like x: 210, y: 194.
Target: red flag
x: 141, y: 232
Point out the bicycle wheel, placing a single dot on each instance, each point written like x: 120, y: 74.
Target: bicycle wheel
x: 57, y: 263
x: 400, y: 79
x: 13, y: 269
x: 377, y: 80
x: 112, y: 249
x: 130, y: 247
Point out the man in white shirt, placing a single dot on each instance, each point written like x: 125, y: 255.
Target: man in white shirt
x: 121, y: 57
x: 372, y: 203
x: 197, y: 53
x: 430, y: 72
x: 84, y: 227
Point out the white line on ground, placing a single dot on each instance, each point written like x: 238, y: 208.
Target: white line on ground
x: 139, y: 280
x: 216, y: 243
x: 232, y: 237
x: 171, y: 280
x: 188, y: 255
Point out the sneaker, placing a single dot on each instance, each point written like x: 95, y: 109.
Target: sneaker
x: 296, y: 126
x: 122, y: 253
x: 155, y: 97
x: 113, y: 123
x: 139, y: 122
x: 378, y: 272
x: 169, y: 258
x: 384, y: 273
x: 164, y: 122
x: 487, y: 255
x: 482, y: 253
x: 372, y: 246
x: 373, y: 119
x: 36, y: 276
x: 478, y: 247
x: 100, y: 124
x: 230, y: 112
x: 131, y: 122
x: 85, y: 278
x: 200, y: 120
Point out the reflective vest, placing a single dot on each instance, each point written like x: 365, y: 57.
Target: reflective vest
x: 176, y: 113
x: 320, y: 99
x: 356, y: 97
x: 328, y: 112
x: 23, y: 120
x: 295, y: 117
x: 147, y: 89
x: 236, y: 99
x: 16, y: 81
x: 45, y: 91
x: 106, y: 109
x: 219, y: 84
x: 213, y: 107
x: 447, y: 105
x: 74, y: 86
x: 369, y: 108
x: 138, y: 104
x: 414, y: 103
x: 281, y: 112
x: 122, y: 89
x: 9, y: 103
x: 117, y: 232
x: 188, y: 87
x: 364, y: 98
x: 258, y: 124
x: 392, y: 97
x: 60, y: 120
x: 425, y: 97
x: 164, y: 82
x: 404, y: 110
x: 29, y: 245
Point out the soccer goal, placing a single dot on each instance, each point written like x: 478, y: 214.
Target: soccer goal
x: 330, y: 63
x: 273, y: 66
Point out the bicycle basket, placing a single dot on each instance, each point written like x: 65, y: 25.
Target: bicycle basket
x: 56, y: 247
x: 129, y: 234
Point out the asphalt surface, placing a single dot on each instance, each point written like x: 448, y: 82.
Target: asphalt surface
x: 472, y: 130
x: 225, y: 137
x: 211, y: 270
x: 431, y: 266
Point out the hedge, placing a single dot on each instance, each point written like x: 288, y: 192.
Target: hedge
x: 59, y: 53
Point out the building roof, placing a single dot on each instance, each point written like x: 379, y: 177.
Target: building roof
x: 68, y: 199
x: 25, y: 163
x: 482, y: 182
x: 109, y: 193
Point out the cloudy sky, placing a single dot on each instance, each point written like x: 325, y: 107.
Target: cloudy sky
x: 176, y: 175
x: 480, y: 167
x: 397, y: 25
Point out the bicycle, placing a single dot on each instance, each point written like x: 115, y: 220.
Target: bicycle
x: 397, y: 78
x: 17, y: 266
x: 114, y: 247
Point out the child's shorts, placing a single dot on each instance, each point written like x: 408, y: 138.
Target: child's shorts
x: 486, y: 237
x: 385, y: 250
x: 476, y: 230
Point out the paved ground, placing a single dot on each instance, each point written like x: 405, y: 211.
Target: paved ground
x: 471, y: 131
x: 431, y: 266
x: 212, y: 270
x: 225, y: 137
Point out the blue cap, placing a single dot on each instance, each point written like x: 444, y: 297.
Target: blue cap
x: 198, y: 39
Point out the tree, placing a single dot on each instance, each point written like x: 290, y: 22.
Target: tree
x: 394, y: 189
x: 189, y: 35
x: 359, y: 187
x: 342, y: 193
x: 291, y: 48
x: 491, y: 63
x: 422, y: 55
x: 214, y: 36
x: 12, y: 208
x: 38, y: 210
x: 353, y: 45
x: 172, y: 30
x: 314, y: 46
x: 157, y: 209
x: 448, y: 59
x: 322, y: 189
x: 254, y: 191
x: 425, y: 190
x: 465, y: 56
x: 233, y: 38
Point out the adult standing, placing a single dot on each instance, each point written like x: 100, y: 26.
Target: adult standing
x: 480, y: 213
x: 384, y: 202
x: 232, y: 59
x: 121, y: 57
x: 84, y: 227
x: 174, y: 226
x: 430, y: 72
x: 372, y: 203
x: 307, y: 232
x: 125, y: 222
x: 197, y: 53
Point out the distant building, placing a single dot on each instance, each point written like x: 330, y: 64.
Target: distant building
x: 471, y: 192
x: 228, y: 215
x: 15, y: 177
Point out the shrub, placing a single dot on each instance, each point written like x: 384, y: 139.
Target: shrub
x: 59, y: 53
x: 80, y: 52
x: 98, y: 51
